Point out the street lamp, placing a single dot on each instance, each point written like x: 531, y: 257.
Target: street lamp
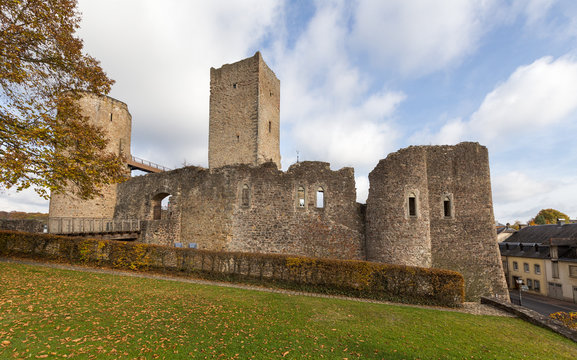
x: 519, y: 285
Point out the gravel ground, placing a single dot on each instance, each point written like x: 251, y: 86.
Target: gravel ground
x: 468, y: 307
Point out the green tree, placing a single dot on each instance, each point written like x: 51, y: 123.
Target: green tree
x: 44, y: 141
x: 548, y: 216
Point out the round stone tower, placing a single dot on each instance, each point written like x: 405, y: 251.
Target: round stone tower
x: 398, y: 228
x: 114, y: 118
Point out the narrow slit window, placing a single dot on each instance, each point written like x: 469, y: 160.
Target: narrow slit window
x: 447, y: 207
x: 412, y: 205
x: 301, y: 197
x: 269, y: 126
x: 110, y: 116
x: 245, y: 195
x: 320, y: 198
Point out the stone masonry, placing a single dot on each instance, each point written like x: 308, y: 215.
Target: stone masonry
x: 115, y: 120
x: 452, y: 224
x: 428, y: 206
x: 244, y: 114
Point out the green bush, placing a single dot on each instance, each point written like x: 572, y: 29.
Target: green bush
x: 343, y: 277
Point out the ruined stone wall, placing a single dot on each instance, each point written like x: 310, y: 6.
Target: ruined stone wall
x: 274, y: 221
x: 393, y: 235
x: 210, y: 210
x: 465, y: 240
x: 115, y: 120
x: 25, y: 225
x: 455, y: 217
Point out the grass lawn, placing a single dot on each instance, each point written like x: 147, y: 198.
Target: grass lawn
x: 49, y: 313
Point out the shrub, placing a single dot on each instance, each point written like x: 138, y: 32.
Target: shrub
x: 343, y: 277
x: 568, y: 319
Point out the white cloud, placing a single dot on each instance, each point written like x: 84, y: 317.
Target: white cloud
x: 362, y: 183
x: 419, y: 36
x: 27, y: 200
x: 535, y: 98
x: 329, y: 109
x: 160, y: 54
x: 519, y: 196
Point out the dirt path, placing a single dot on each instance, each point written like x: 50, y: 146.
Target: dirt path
x: 468, y: 307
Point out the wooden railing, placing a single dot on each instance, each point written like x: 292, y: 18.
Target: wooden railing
x: 91, y: 225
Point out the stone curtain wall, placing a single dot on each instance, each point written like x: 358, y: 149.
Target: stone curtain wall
x: 244, y: 97
x: 208, y: 209
x: 461, y: 239
x: 115, y: 120
x: 25, y: 225
x: 274, y: 221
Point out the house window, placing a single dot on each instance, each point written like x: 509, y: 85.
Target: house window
x: 320, y: 198
x: 555, y: 268
x: 412, y: 205
x: 515, y: 266
x: 301, y: 197
x: 245, y: 195
x: 537, y: 269
x: 536, y: 285
x: 526, y: 267
x: 530, y: 284
x: 573, y: 271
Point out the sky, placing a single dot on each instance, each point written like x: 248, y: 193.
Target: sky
x: 359, y: 80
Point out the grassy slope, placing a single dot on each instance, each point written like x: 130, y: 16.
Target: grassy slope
x: 56, y: 313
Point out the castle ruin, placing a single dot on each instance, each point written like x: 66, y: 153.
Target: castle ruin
x: 428, y: 206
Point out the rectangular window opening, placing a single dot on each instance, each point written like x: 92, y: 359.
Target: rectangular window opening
x: 447, y: 208
x: 412, y: 206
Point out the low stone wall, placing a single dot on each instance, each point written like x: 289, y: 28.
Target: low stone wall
x: 531, y: 316
x: 31, y: 226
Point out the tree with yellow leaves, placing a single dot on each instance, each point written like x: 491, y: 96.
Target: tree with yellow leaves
x: 45, y: 142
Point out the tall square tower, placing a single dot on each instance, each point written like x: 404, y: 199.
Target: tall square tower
x: 244, y: 114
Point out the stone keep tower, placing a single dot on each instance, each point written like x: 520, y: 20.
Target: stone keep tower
x: 115, y: 120
x: 244, y: 114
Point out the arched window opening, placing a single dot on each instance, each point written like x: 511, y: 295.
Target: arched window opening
x: 245, y: 196
x: 320, y: 198
x: 447, y: 207
x: 412, y: 205
x: 301, y: 197
x: 161, y: 206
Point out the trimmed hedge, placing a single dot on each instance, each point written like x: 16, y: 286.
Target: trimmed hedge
x: 343, y: 277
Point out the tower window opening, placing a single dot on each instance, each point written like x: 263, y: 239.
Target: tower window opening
x: 320, y: 198
x: 301, y: 197
x: 269, y: 126
x: 110, y: 116
x: 237, y: 137
x: 412, y: 205
x: 245, y: 195
x: 447, y: 207
x: 234, y: 86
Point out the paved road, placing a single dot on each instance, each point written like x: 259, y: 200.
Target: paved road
x: 541, y: 304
